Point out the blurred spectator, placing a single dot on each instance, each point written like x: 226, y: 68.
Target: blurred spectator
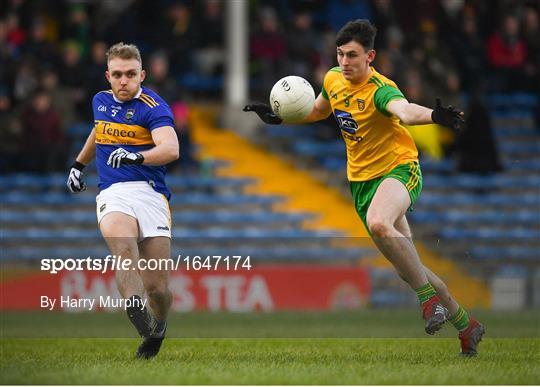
x: 158, y: 78
x: 71, y: 73
x: 15, y: 35
x: 384, y: 18
x: 181, y: 120
x: 44, y: 140
x: 25, y: 81
x: 57, y: 93
x: 11, y: 141
x: 209, y: 53
x: 301, y: 43
x: 268, y: 50
x: 468, y: 45
x: 77, y: 27
x: 37, y: 45
x: 394, y: 51
x: 477, y: 134
x: 179, y: 39
x: 433, y: 58
x: 531, y: 34
x: 95, y: 80
x: 507, y: 53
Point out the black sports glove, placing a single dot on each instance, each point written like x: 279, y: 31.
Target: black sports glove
x: 74, y: 181
x: 264, y: 112
x: 448, y: 116
x: 122, y: 157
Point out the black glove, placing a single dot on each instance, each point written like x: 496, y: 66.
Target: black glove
x: 122, y: 157
x: 448, y: 116
x: 74, y: 181
x: 264, y: 112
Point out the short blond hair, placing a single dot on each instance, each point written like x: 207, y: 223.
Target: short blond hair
x: 123, y: 51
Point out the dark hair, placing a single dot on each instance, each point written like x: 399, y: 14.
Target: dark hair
x: 360, y: 30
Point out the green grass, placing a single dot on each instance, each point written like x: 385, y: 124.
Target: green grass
x: 390, y: 349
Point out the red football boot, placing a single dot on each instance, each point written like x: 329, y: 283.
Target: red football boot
x: 470, y: 337
x: 435, y: 315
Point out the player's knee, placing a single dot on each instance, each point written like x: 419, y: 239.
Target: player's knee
x: 379, y: 227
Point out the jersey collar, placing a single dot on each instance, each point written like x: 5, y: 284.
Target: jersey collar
x: 136, y: 96
x: 355, y: 85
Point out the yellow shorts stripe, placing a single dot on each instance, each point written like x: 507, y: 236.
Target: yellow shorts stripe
x: 415, y: 177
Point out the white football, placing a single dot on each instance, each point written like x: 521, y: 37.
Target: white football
x: 292, y: 98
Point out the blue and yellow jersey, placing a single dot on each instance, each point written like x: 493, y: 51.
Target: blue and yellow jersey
x: 375, y: 139
x: 129, y: 125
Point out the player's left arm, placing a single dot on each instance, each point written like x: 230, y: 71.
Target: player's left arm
x: 166, y: 150
x: 413, y: 114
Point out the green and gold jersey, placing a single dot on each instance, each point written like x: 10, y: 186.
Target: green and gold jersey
x: 376, y: 141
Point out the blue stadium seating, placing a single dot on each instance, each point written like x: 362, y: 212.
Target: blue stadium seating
x: 505, y: 254
x: 33, y: 181
x: 179, y: 217
x: 66, y: 199
x: 486, y: 232
x: 315, y: 148
x: 480, y: 182
x: 210, y: 232
x: 520, y: 147
x: 463, y: 217
x: 447, y: 199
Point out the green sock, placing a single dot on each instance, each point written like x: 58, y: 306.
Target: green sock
x: 425, y: 292
x: 460, y: 319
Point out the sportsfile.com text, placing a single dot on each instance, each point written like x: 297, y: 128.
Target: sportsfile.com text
x: 113, y: 263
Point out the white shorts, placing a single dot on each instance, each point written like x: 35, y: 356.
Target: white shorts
x: 139, y: 200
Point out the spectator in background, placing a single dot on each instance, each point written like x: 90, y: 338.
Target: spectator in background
x: 469, y: 47
x: 15, y: 34
x: 301, y: 46
x: 268, y: 48
x: 394, y: 51
x: 507, y: 53
x: 187, y: 159
x: 179, y: 40
x: 531, y: 34
x: 159, y: 79
x: 25, y: 81
x: 44, y: 140
x: 57, y: 94
x: 384, y: 14
x: 433, y: 58
x: 8, y: 64
x: 11, y: 141
x: 71, y: 70
x: 210, y: 43
x: 477, y: 135
x: 38, y: 46
x: 95, y: 80
x: 77, y: 28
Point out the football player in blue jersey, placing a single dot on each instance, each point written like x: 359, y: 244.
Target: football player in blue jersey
x: 132, y: 140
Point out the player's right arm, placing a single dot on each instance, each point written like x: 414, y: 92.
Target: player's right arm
x: 87, y: 154
x: 321, y: 110
x: 88, y: 151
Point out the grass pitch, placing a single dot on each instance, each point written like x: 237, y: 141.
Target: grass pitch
x: 386, y: 347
